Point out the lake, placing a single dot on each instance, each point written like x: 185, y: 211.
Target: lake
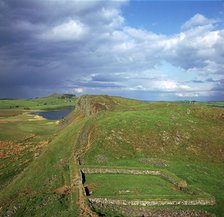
x: 55, y: 114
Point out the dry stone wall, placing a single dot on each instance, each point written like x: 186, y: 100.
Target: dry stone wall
x: 106, y: 201
x: 129, y: 171
x: 152, y: 212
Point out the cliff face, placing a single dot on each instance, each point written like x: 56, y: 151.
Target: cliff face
x: 90, y: 104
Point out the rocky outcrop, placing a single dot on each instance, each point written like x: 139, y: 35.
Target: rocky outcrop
x: 90, y: 104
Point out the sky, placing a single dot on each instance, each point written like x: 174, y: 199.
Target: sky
x: 148, y: 50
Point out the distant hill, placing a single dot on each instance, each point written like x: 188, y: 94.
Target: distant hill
x: 51, y: 101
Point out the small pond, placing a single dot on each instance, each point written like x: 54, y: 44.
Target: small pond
x: 55, y: 114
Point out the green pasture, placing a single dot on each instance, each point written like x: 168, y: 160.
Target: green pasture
x: 135, y: 187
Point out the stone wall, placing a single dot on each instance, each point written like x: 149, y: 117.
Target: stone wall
x: 206, y: 201
x: 106, y: 201
x: 129, y: 171
x: 119, y: 171
x: 152, y: 212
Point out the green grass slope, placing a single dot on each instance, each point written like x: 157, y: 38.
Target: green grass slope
x: 185, y: 139
x: 45, y: 187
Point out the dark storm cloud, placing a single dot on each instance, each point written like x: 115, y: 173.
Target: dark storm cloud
x: 108, y: 78
x: 93, y: 84
x: 197, y: 81
x: 46, y: 42
x: 211, y: 80
x: 221, y: 81
x: 219, y: 86
x: 69, y: 45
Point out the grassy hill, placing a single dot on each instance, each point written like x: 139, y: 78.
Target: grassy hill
x: 182, y: 142
x: 49, y: 102
x: 185, y: 139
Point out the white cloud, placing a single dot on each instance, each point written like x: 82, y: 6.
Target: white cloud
x: 126, y: 48
x: 78, y: 90
x: 184, y: 95
x: 198, y: 20
x: 70, y: 30
x: 112, y: 16
x: 167, y: 85
x: 170, y: 85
